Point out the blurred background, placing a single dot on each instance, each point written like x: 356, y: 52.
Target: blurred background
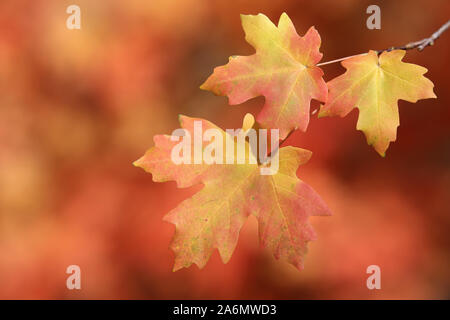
x: 77, y: 107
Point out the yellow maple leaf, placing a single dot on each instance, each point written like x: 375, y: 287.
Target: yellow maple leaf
x: 374, y: 84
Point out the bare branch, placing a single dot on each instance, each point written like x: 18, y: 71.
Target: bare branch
x: 420, y: 45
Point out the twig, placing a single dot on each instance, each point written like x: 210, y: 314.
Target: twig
x: 420, y: 45
x: 280, y: 144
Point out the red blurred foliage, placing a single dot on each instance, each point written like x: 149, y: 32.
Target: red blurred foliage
x: 77, y: 107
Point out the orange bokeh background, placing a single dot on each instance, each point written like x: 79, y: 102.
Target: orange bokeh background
x: 77, y: 107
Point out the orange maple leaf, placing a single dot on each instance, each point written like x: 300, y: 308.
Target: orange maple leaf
x: 282, y: 70
x: 213, y: 217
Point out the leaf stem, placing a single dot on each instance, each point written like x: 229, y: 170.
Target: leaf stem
x: 340, y: 59
x: 420, y: 45
x: 280, y: 143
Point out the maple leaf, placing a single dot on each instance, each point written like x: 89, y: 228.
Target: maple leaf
x: 213, y: 217
x: 374, y: 85
x: 282, y: 70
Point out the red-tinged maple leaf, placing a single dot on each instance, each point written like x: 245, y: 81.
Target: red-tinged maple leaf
x: 213, y: 217
x: 374, y: 85
x: 282, y: 70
